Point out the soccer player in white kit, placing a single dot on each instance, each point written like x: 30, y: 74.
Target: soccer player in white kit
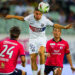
x: 37, y: 39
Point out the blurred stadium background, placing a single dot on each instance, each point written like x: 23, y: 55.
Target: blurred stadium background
x: 61, y: 11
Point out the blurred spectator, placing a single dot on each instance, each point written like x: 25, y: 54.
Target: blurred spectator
x: 20, y: 9
x: 30, y: 8
x: 69, y: 3
x: 55, y: 6
x: 71, y: 17
x: 25, y: 14
x: 4, y: 10
x: 62, y: 17
x: 3, y: 1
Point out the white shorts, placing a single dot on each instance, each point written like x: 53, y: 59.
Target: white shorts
x: 34, y: 44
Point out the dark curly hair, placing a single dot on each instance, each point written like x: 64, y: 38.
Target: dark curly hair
x: 14, y: 32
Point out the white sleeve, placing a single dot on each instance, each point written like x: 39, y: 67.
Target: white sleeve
x: 50, y: 23
x: 27, y: 18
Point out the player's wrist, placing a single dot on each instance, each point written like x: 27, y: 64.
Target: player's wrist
x: 23, y: 64
x: 64, y: 27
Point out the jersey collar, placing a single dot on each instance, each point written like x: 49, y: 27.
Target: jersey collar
x: 12, y: 39
x: 58, y: 41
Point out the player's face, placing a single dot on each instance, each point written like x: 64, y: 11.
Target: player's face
x: 56, y: 33
x: 37, y: 15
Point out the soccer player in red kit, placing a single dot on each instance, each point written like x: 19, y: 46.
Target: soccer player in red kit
x: 9, y: 51
x: 56, y: 48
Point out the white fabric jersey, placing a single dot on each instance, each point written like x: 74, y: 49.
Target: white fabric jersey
x: 37, y: 27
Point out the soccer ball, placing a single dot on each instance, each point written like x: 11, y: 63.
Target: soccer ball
x: 43, y: 7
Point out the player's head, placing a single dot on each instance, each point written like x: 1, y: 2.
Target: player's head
x: 14, y: 32
x: 56, y: 32
x: 37, y: 14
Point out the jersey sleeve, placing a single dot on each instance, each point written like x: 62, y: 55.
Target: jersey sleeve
x: 48, y: 47
x: 50, y: 23
x: 21, y: 51
x: 27, y: 18
x: 67, y: 51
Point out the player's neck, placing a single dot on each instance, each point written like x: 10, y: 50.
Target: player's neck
x: 36, y: 18
x: 57, y: 39
x: 13, y: 38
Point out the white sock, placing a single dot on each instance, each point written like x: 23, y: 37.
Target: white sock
x: 42, y: 66
x: 34, y: 72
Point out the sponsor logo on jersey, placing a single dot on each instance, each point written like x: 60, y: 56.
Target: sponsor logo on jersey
x: 52, y: 43
x: 56, y: 51
x: 61, y: 44
x: 35, y: 29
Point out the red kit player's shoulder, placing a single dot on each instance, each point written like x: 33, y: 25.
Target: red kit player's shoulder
x: 66, y: 42
x: 49, y: 41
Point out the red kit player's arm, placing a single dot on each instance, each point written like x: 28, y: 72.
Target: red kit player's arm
x: 69, y: 56
x: 23, y: 60
x: 22, y: 54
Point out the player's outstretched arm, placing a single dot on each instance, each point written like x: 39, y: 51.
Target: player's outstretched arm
x: 23, y: 60
x: 70, y: 62
x: 63, y: 27
x: 15, y: 17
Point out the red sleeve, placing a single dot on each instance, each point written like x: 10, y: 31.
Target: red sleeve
x: 67, y: 49
x: 48, y: 47
x: 21, y: 51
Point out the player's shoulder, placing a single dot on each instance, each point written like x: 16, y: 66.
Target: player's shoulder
x: 49, y: 41
x: 31, y: 15
x: 10, y: 41
x: 19, y: 43
x: 27, y: 18
x: 43, y: 16
x: 66, y: 42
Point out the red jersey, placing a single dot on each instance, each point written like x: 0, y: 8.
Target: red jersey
x: 57, y: 51
x: 9, y: 52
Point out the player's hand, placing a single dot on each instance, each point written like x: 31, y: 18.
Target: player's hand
x: 9, y: 16
x: 73, y: 69
x: 47, y: 54
x: 68, y: 26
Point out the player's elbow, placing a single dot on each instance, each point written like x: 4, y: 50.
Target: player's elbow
x: 23, y: 59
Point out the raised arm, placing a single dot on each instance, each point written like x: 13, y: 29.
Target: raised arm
x: 15, y: 17
x: 63, y: 27
x: 23, y: 60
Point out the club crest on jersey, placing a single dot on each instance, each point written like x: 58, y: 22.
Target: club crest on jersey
x: 31, y: 22
x: 61, y: 47
x: 52, y: 43
x: 42, y: 25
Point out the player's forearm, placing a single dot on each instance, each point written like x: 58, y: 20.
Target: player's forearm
x: 19, y: 18
x: 59, y: 26
x: 15, y: 17
x: 23, y: 60
x: 69, y: 59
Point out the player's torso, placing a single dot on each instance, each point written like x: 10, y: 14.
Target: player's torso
x: 57, y: 51
x: 57, y: 48
x: 8, y: 56
x: 37, y: 28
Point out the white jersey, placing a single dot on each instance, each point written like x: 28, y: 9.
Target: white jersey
x: 37, y: 27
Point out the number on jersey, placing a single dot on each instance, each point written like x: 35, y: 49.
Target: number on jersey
x: 7, y: 50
